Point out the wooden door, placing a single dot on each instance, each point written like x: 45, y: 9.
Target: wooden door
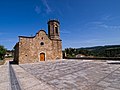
x: 42, y: 56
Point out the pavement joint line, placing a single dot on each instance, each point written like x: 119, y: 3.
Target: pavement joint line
x: 68, y: 73
x: 15, y: 85
x: 8, y: 64
x: 106, y: 76
x: 61, y: 75
x: 58, y: 69
x: 42, y: 82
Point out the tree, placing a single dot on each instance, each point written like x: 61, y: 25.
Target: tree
x: 2, y: 52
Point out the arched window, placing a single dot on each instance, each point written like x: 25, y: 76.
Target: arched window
x: 42, y: 56
x: 56, y: 30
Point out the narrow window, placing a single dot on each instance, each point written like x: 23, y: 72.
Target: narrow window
x: 56, y: 29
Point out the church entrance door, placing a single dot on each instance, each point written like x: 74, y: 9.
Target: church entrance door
x: 42, y: 56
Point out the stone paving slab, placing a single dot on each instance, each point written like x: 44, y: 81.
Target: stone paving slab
x: 29, y: 82
x: 63, y: 75
x: 76, y: 74
x: 4, y: 78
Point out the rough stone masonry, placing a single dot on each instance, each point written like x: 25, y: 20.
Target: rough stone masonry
x: 40, y: 47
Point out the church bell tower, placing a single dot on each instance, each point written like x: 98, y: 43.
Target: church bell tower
x: 53, y: 29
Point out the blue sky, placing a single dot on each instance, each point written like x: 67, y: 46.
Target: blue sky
x: 84, y: 23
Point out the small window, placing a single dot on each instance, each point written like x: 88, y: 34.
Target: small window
x: 56, y: 29
x: 42, y: 43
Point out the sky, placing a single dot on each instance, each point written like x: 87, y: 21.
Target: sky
x: 83, y: 23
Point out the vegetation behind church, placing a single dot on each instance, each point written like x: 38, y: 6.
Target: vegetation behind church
x: 98, y: 51
x: 2, y: 52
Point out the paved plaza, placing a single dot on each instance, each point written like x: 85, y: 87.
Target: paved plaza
x: 4, y: 78
x: 66, y: 75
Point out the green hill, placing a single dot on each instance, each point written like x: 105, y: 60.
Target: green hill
x: 97, y: 51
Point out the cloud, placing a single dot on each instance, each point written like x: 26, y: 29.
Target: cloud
x: 48, y: 8
x: 7, y: 40
x: 44, y: 8
x: 5, y: 33
x: 1, y: 33
x: 105, y: 22
x: 110, y: 27
x: 90, y: 42
x: 113, y: 27
x: 38, y: 9
x: 82, y: 43
x: 101, y: 24
x: 65, y: 32
x: 106, y: 17
x: 60, y: 12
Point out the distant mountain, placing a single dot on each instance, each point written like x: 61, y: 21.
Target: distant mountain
x: 103, y: 51
x: 97, y: 51
x: 102, y: 47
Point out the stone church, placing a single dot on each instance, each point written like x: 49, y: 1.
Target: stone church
x: 41, y: 47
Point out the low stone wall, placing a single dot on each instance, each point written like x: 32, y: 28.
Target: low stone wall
x: 7, y: 59
x: 2, y: 62
x: 96, y: 58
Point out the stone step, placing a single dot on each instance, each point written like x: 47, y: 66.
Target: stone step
x: 113, y: 62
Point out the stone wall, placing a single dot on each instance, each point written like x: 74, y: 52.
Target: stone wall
x: 31, y: 47
x: 57, y: 49
x: 16, y: 52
